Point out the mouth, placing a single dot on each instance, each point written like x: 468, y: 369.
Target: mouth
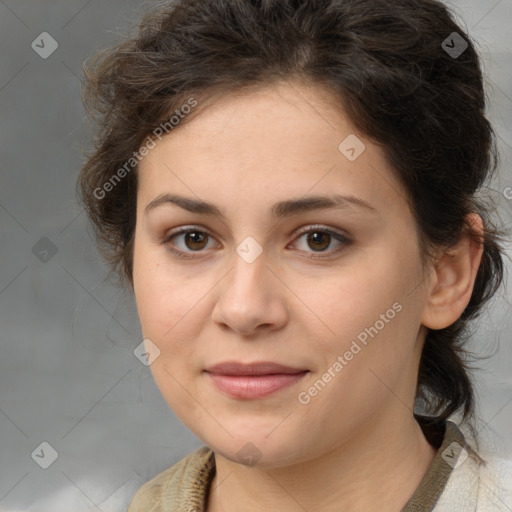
x: 254, y: 380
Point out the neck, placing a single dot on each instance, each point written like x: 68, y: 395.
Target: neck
x: 383, y: 463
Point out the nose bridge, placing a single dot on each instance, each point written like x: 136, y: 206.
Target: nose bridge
x: 247, y: 298
x: 249, y: 264
x: 247, y: 282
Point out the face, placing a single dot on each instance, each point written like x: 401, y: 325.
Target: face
x: 267, y: 274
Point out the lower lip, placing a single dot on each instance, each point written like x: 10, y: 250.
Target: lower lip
x: 244, y: 386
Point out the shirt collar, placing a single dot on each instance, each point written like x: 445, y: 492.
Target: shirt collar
x: 445, y: 436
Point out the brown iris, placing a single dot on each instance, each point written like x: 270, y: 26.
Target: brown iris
x: 197, y: 239
x: 317, y: 237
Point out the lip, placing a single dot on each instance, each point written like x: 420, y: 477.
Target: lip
x: 234, y: 368
x: 253, y: 380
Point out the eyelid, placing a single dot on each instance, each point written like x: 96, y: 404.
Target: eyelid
x: 321, y: 227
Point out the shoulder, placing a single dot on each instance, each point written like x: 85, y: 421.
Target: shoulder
x: 495, y: 484
x: 183, y: 484
x: 479, y: 481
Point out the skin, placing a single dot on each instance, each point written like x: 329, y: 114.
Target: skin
x: 356, y: 443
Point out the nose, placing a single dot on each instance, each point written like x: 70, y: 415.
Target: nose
x: 251, y: 298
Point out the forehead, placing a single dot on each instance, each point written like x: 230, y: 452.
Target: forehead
x: 286, y: 139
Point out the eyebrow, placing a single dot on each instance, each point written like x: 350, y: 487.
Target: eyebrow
x: 279, y: 210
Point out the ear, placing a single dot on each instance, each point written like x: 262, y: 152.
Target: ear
x: 453, y: 277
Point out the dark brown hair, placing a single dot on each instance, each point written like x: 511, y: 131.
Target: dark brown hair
x: 388, y: 64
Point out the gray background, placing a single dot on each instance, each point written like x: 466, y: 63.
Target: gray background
x: 68, y: 375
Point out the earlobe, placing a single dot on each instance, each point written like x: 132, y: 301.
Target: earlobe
x: 454, y: 277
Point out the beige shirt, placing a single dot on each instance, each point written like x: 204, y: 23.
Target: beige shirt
x: 185, y: 486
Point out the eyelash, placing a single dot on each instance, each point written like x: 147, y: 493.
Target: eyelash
x: 166, y: 240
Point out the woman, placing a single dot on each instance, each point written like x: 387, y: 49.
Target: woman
x: 290, y: 189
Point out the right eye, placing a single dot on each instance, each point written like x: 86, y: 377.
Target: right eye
x: 193, y: 240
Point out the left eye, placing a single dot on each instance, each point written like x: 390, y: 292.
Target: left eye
x: 320, y: 239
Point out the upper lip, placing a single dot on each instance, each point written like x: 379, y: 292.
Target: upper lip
x: 261, y: 368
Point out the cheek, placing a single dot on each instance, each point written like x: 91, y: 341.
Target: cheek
x: 168, y: 304
x: 165, y: 314
x: 368, y: 315
x: 158, y: 294
x: 350, y: 301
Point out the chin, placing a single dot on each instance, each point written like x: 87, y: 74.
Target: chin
x: 253, y: 446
